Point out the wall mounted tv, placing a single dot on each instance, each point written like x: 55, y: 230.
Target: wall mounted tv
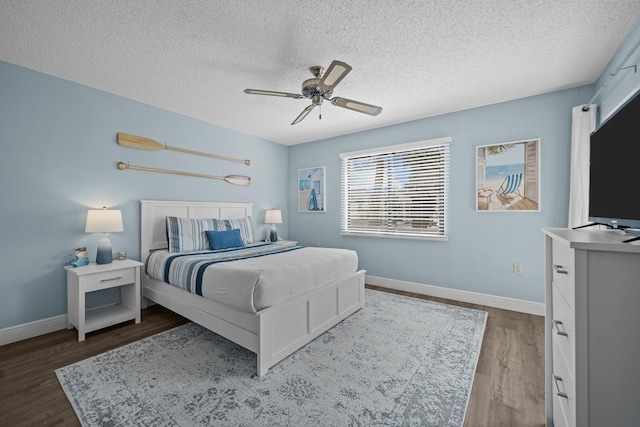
x: 614, y: 173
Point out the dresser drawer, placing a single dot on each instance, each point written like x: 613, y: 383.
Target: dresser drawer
x: 563, y: 327
x: 108, y: 279
x: 562, y: 259
x: 559, y: 415
x: 562, y: 389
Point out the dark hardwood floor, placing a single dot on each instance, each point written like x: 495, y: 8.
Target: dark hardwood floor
x: 30, y: 394
x: 508, y: 388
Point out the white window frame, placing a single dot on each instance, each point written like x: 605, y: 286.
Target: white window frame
x: 429, y: 221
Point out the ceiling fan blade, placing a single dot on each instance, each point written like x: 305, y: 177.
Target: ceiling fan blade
x: 358, y: 106
x: 337, y: 71
x: 303, y: 114
x: 273, y: 93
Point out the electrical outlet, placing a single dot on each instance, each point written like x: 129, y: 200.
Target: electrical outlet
x: 517, y: 268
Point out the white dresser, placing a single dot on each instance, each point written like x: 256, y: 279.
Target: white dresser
x: 592, y: 345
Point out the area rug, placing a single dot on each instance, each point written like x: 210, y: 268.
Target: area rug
x: 399, y: 361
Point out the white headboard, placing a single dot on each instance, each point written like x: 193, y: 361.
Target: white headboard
x: 153, y: 213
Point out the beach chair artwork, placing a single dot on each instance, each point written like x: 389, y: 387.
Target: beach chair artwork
x: 508, y: 176
x: 511, y: 184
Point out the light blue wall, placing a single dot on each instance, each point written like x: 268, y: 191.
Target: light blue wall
x: 482, y: 246
x: 59, y: 156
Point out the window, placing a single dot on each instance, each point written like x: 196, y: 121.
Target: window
x: 397, y: 191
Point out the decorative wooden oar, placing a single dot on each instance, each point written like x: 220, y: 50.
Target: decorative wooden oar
x: 133, y: 141
x: 231, y: 179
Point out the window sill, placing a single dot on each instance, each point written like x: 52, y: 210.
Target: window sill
x: 394, y: 236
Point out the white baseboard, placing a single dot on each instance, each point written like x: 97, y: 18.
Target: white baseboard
x: 56, y: 323
x: 513, y: 304
x: 38, y: 327
x: 32, y: 329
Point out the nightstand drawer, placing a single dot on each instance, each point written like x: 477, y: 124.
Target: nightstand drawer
x: 108, y: 279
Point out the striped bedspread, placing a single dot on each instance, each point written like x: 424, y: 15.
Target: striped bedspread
x: 252, y: 278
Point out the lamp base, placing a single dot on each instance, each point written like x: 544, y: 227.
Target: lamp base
x: 105, y: 253
x: 273, y: 235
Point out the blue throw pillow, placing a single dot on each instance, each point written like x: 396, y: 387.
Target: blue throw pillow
x: 225, y: 239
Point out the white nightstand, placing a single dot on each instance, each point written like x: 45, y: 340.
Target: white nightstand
x: 286, y: 243
x: 93, y: 277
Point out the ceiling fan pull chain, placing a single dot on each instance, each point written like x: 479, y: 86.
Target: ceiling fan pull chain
x: 320, y: 115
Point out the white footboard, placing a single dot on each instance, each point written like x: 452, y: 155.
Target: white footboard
x: 284, y: 329
x: 273, y: 333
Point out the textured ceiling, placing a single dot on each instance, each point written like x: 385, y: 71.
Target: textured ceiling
x: 414, y: 58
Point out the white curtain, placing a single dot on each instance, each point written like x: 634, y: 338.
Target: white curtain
x: 584, y: 122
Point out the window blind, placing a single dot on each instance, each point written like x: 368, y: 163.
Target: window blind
x: 397, y: 191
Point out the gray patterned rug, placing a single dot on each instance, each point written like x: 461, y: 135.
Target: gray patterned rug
x: 399, y: 361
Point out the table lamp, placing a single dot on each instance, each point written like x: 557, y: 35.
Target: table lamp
x: 104, y: 221
x: 273, y: 217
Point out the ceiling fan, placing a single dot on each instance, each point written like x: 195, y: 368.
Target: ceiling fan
x: 320, y: 88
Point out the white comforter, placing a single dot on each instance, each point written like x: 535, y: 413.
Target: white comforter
x: 257, y: 282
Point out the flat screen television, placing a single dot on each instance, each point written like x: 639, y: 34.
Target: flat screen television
x: 614, y: 172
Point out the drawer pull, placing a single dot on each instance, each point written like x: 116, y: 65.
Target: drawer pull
x: 559, y: 393
x: 109, y: 280
x: 562, y: 332
x: 559, y: 269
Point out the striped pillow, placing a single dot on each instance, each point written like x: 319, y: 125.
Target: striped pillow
x: 185, y: 234
x: 243, y: 224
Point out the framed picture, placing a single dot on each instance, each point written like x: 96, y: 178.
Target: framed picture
x: 508, y: 177
x: 311, y: 189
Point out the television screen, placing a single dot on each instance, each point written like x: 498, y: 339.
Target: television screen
x: 615, y: 169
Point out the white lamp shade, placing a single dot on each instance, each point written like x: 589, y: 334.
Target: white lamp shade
x: 103, y: 221
x: 273, y: 216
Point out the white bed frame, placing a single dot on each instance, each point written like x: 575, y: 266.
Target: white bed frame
x: 273, y: 333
